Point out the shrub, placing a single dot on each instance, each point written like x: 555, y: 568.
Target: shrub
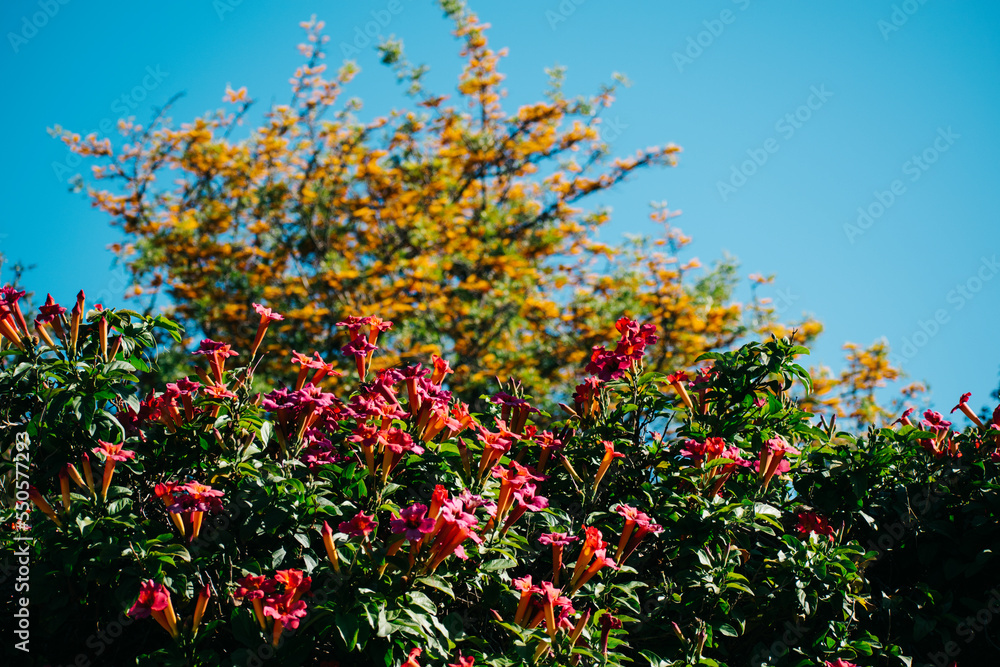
x: 661, y: 519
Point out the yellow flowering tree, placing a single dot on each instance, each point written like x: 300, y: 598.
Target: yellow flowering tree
x: 459, y: 220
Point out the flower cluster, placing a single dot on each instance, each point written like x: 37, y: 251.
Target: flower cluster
x: 507, y: 503
x: 188, y: 503
x: 611, y: 365
x: 276, y: 601
x: 813, y: 523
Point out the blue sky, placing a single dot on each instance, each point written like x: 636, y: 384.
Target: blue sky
x: 792, y: 117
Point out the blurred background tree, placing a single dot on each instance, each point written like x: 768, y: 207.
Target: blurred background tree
x: 460, y: 221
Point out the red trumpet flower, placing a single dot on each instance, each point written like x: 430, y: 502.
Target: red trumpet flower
x: 331, y: 549
x: 41, y: 503
x: 411, y: 659
x: 441, y: 369
x: 363, y: 347
x: 525, y: 590
x: 963, y: 405
x: 217, y: 354
x: 811, y: 522
x: 593, y: 541
x: 609, y: 455
x: 199, y: 608
x: 154, y: 600
x: 266, y: 317
x: 678, y: 381
x: 601, y: 561
x: 50, y: 313
x: 558, y: 542
x: 586, y: 397
x: 771, y: 456
x: 608, y: 623
x: 255, y: 588
x: 112, y: 455
x: 74, y: 323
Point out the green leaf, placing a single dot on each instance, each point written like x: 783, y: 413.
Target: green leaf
x: 422, y: 602
x: 437, y: 583
x: 85, y: 524
x: 348, y: 626
x: 310, y: 562
x: 385, y: 628
x: 740, y: 587
x: 654, y: 660
x: 138, y: 364
x: 728, y: 630
x: 118, y: 366
x: 499, y: 564
x: 175, y: 550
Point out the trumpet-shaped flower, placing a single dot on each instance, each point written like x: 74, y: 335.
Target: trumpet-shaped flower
x: 331, y: 549
x: 703, y: 452
x: 441, y: 369
x: 154, y: 601
x: 254, y: 587
x: 586, y: 397
x: 266, y: 317
x: 608, y: 623
x: 772, y: 456
x: 413, y: 522
x: 525, y: 590
x: 609, y: 455
x: 361, y: 525
x: 217, y: 353
x: 963, y: 405
x: 811, y: 522
x: 42, y: 504
x: 411, y: 659
x: 285, y: 612
x: 112, y: 455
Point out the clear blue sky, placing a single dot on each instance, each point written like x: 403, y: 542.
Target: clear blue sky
x: 887, y: 106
